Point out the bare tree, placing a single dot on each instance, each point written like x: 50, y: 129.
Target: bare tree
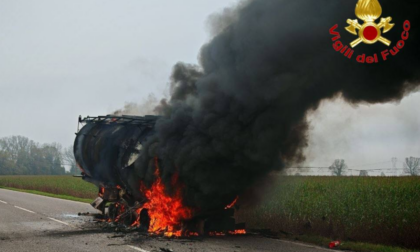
x: 364, y: 173
x: 15, y: 145
x: 69, y: 159
x: 338, y: 168
x: 52, y: 154
x: 412, y: 166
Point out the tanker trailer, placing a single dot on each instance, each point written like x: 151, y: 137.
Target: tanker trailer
x: 105, y: 150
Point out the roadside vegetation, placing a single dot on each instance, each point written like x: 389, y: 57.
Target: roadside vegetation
x: 66, y: 187
x: 349, y: 245
x: 382, y: 210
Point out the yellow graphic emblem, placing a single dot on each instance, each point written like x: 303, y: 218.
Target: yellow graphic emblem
x: 369, y: 32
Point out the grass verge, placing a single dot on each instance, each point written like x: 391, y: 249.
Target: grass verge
x: 53, y: 185
x: 59, y: 196
x: 349, y: 245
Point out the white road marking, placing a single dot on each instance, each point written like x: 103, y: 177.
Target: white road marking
x: 4, y: 202
x: 138, y: 249
x: 59, y: 221
x: 21, y: 208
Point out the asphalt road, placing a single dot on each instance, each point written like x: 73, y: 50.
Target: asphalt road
x: 37, y: 223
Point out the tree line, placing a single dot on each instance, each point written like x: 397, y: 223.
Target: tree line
x: 411, y: 167
x: 21, y: 156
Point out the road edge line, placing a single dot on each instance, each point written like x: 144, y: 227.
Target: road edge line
x: 24, y: 209
x: 138, y: 249
x: 59, y: 221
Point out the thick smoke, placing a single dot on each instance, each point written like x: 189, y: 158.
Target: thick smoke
x: 242, y: 112
x: 146, y: 107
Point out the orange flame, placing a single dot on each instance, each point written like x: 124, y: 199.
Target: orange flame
x: 120, y: 211
x: 101, y: 191
x: 233, y: 203
x: 237, y: 232
x: 217, y: 233
x: 166, y: 212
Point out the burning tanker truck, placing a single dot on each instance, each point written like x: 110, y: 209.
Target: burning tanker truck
x: 241, y: 114
x: 108, y: 149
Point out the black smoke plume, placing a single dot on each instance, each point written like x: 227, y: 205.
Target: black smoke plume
x: 242, y: 112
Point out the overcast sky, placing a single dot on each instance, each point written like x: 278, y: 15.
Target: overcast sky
x: 62, y: 59
x: 367, y: 137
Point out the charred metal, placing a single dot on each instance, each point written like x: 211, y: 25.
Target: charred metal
x: 106, y: 150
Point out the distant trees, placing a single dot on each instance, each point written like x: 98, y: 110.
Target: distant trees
x: 21, y: 156
x: 338, y: 168
x: 412, y: 166
x: 364, y: 173
x: 68, y: 157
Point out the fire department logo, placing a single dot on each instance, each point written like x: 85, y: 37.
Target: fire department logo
x: 369, y: 32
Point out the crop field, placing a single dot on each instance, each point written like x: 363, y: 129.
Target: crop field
x: 59, y: 185
x: 370, y: 209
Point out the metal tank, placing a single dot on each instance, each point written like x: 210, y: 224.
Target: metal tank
x: 106, y: 148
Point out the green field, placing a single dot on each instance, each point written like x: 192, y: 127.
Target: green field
x: 369, y: 209
x: 59, y: 186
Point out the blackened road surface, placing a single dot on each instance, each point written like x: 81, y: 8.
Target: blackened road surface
x: 36, y: 223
